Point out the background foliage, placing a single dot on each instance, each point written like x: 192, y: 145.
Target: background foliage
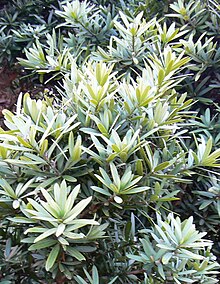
x: 112, y: 174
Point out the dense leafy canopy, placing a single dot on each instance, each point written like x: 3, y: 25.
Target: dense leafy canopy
x: 112, y: 174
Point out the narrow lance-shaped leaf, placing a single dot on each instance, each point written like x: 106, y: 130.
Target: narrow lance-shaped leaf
x: 77, y: 209
x: 52, y: 257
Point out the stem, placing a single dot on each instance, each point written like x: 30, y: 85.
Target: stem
x: 135, y: 272
x: 89, y: 31
x: 95, y: 207
x: 133, y: 44
x: 60, y: 279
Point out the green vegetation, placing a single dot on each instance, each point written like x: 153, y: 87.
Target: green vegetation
x: 112, y: 175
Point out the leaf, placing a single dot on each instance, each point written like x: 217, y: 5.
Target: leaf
x: 115, y: 175
x: 75, y: 253
x: 21, y: 220
x: 76, y: 151
x: 161, y: 271
x: 16, y: 204
x: 16, y: 148
x: 73, y: 236
x: 79, y: 223
x: 69, y: 178
x: 208, y: 149
x: 40, y: 209
x: 45, y: 234
x: 135, y: 190
x: 43, y: 244
x: 60, y: 193
x: 60, y: 229
x: 147, y: 246
x: 71, y: 199
x: 80, y: 280
x: 95, y: 275
x: 188, y: 254
x: 24, y: 187
x: 48, y: 129
x: 8, y: 189
x: 77, y: 210
x: 52, y: 257
x: 161, y: 166
x: 50, y: 203
x: 166, y: 247
x: 118, y: 199
x: 166, y: 258
x: 113, y: 280
x: 101, y: 190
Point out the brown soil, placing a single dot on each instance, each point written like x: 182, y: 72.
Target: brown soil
x: 8, y: 93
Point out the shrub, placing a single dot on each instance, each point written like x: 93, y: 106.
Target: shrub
x: 89, y: 176
x: 125, y: 150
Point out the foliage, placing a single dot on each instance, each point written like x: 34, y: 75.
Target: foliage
x: 21, y: 23
x: 89, y: 176
x: 130, y: 41
x: 176, y: 253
